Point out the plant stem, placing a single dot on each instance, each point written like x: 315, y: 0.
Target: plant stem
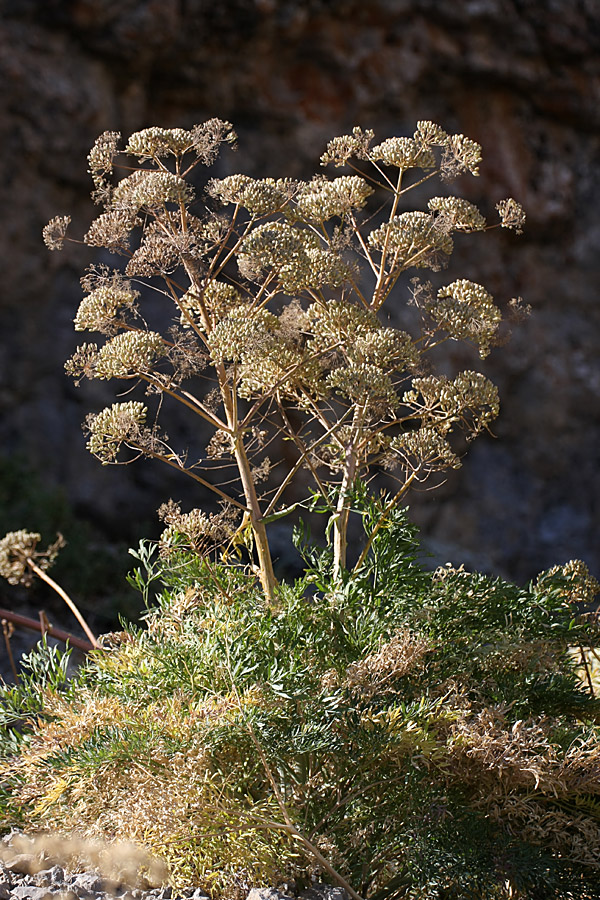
x: 342, y: 512
x: 56, y: 587
x: 265, y: 563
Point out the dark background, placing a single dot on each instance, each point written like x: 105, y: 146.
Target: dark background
x: 519, y: 76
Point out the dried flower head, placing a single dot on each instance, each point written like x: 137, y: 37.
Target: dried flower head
x: 362, y: 382
x: 101, y: 157
x: 518, y: 310
x: 208, y: 138
x: 15, y: 549
x: 320, y: 200
x: 17, y: 552
x: 153, y: 143
x: 403, y: 152
x: 129, y: 353
x: 461, y: 154
x: 424, y: 450
x: 113, y: 426
x: 273, y: 363
x: 429, y: 134
x: 112, y: 229
x: 186, y: 355
x: 214, y: 301
x: 240, y: 332
x: 149, y: 190
x: 220, y: 445
x: 469, y: 399
x: 512, y: 215
x: 260, y: 197
x: 83, y: 362
x: 414, y: 240
x: 457, y: 214
x: 55, y: 231
x: 339, y: 321
x: 97, y: 311
x: 202, y: 532
x: 157, y: 254
x: 261, y: 472
x: 385, y: 348
x: 314, y: 269
x: 466, y: 311
x: 273, y: 246
x: 341, y: 149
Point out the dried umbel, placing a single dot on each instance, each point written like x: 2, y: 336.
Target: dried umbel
x: 201, y: 532
x: 98, y: 311
x: 466, y: 311
x: 512, y: 215
x: 405, y: 153
x: 278, y: 286
x: 413, y: 240
x: 260, y: 197
x: 121, y: 423
x: 320, y: 200
x: 20, y: 562
x: 55, y: 231
x: 456, y: 214
x: 18, y: 553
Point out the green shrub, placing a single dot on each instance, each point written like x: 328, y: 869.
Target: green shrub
x: 420, y: 734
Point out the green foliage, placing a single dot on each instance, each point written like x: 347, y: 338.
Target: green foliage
x: 417, y: 734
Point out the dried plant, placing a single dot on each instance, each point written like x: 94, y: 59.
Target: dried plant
x: 405, y: 734
x: 276, y: 286
x: 20, y: 561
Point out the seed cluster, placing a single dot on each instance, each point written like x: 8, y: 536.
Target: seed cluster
x: 98, y: 310
x: 457, y: 214
x: 320, y: 200
x: 404, y: 153
x: 261, y: 197
x: 114, y: 426
x: 466, y: 311
x: 129, y: 353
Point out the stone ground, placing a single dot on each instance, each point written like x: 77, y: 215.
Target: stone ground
x: 36, y: 876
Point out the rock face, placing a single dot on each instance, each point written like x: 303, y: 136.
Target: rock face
x: 522, y: 78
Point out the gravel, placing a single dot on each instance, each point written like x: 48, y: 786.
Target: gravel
x: 36, y: 876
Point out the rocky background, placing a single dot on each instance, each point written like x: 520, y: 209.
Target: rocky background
x: 522, y: 77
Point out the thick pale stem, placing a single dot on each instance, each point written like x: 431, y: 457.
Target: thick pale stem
x: 342, y: 514
x: 56, y: 587
x: 265, y: 563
